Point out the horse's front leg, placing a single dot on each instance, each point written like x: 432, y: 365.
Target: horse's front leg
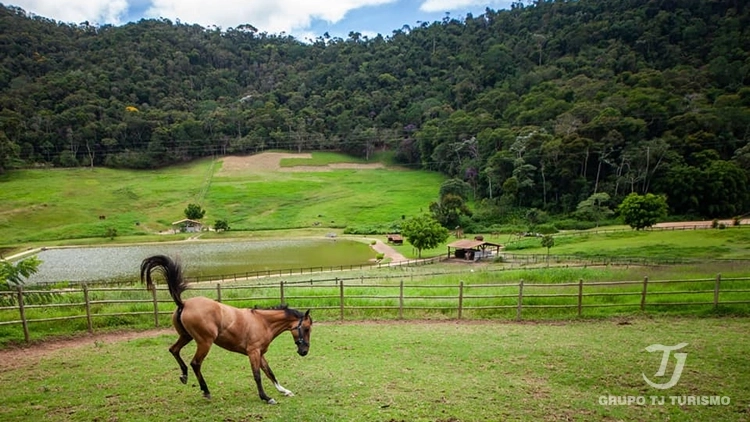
x: 256, y: 360
x: 269, y: 373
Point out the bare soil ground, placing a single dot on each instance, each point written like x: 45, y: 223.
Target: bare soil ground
x: 270, y: 161
x: 388, y: 251
x: 25, y: 355
x: 700, y: 224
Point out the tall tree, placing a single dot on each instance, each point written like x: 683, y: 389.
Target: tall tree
x: 424, y: 232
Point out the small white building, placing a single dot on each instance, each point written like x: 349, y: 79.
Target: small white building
x: 187, y: 225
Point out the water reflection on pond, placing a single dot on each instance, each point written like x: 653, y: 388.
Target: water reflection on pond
x: 200, y: 259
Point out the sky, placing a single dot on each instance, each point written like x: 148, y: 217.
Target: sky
x: 303, y: 19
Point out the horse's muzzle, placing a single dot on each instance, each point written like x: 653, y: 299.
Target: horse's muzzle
x: 302, y: 352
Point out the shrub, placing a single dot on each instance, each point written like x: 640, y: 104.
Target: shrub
x: 546, y: 229
x: 570, y: 224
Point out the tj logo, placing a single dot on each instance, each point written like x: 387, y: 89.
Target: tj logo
x: 680, y: 357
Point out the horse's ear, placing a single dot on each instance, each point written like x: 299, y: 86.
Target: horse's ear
x: 307, y: 314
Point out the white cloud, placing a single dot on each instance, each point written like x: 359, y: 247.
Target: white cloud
x: 432, y: 6
x: 267, y: 15
x: 94, y: 11
x: 272, y: 16
x: 293, y: 17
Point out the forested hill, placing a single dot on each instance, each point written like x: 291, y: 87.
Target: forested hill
x: 537, y: 106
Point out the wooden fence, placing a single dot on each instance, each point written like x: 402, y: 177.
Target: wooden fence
x: 352, y: 298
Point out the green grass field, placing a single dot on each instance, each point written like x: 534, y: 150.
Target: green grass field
x: 64, y: 205
x: 556, y: 367
x: 730, y: 243
x: 391, y: 371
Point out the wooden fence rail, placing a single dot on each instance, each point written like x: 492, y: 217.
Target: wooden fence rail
x: 340, y: 298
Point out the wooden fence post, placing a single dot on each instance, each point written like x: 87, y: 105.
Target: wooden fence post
x: 281, y: 292
x: 341, y: 299
x: 643, y: 293
x: 520, y: 300
x: 156, y: 306
x: 460, y: 299
x: 218, y: 292
x: 23, y: 314
x: 401, y: 300
x: 88, y: 308
x: 580, y: 296
x: 716, y: 291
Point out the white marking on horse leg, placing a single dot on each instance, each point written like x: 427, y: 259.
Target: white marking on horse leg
x: 283, y: 390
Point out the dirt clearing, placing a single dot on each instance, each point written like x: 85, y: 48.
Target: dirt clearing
x: 271, y: 161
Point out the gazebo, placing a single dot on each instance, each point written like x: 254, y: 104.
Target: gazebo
x: 473, y: 250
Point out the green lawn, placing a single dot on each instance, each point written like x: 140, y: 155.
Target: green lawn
x: 391, y: 371
x: 730, y: 243
x: 43, y: 207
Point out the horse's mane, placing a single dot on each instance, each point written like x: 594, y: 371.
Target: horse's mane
x: 282, y: 307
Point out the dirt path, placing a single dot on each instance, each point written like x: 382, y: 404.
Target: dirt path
x: 388, y: 251
x: 700, y: 224
x: 33, y: 353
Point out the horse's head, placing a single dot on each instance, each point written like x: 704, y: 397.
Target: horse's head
x: 301, y: 334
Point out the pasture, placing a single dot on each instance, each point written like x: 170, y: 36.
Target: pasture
x: 394, y: 371
x: 64, y: 206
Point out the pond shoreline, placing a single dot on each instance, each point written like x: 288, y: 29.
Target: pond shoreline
x: 203, y: 258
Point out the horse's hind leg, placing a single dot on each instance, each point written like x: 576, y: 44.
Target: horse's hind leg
x: 175, y: 351
x: 269, y: 373
x: 200, y: 354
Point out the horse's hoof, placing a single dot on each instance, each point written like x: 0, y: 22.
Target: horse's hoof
x: 289, y: 394
x: 183, y: 379
x: 271, y: 401
x: 207, y: 396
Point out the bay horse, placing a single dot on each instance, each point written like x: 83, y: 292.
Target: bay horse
x: 245, y: 331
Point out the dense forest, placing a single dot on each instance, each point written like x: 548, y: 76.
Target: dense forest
x: 540, y: 106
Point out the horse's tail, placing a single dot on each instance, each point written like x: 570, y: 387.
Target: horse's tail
x: 172, y: 272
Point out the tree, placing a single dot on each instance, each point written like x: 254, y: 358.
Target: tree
x: 449, y: 210
x: 221, y: 225
x: 641, y: 211
x: 13, y: 275
x: 594, y: 207
x: 194, y: 212
x: 547, y: 242
x: 424, y: 232
x: 455, y: 187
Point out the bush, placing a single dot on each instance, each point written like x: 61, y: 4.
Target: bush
x: 546, y: 229
x: 221, y: 225
x: 570, y: 224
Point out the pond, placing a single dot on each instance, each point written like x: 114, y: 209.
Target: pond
x: 199, y: 258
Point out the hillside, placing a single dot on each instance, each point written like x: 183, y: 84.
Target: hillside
x: 539, y: 106
x: 264, y: 192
